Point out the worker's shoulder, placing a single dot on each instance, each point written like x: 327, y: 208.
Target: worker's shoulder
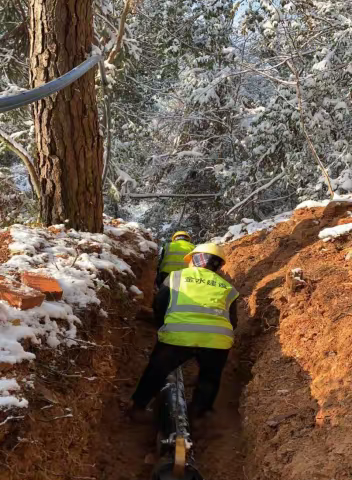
x: 226, y: 282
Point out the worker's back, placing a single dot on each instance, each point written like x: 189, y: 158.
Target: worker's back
x: 197, y: 309
x: 198, y: 312
x: 174, y: 253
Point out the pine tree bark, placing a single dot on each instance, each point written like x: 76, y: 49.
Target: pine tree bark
x: 70, y: 149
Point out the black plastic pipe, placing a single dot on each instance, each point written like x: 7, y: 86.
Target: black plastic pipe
x: 172, y: 422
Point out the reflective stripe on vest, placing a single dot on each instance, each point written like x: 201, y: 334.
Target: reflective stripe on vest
x: 191, y: 327
x: 187, y: 321
x: 173, y: 259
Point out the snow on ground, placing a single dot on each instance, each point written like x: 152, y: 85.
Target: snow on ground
x: 75, y: 260
x: 6, y: 398
x: 247, y: 226
x: 312, y: 204
x: 334, y: 232
x: 324, y: 203
x: 138, y: 211
x: 135, y: 290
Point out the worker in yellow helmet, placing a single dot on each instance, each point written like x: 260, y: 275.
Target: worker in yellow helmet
x: 195, y: 310
x: 172, y: 256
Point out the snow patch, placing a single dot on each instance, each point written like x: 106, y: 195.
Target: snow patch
x: 136, y: 291
x: 7, y: 399
x: 248, y: 226
x: 324, y: 203
x: 147, y: 246
x: 334, y: 232
x: 312, y: 204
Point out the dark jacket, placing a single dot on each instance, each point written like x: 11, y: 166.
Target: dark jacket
x: 161, y: 257
x: 162, y: 300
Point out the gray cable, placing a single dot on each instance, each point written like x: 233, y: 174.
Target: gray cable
x: 30, y: 96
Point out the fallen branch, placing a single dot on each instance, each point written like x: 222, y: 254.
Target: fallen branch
x: 17, y: 148
x: 75, y: 259
x: 260, y: 189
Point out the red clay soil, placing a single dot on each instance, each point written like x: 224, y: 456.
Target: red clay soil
x: 296, y: 409
x: 284, y: 408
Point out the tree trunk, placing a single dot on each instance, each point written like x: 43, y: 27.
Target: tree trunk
x: 70, y: 149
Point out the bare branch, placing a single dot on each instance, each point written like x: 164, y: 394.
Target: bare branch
x: 16, y: 148
x: 116, y: 50
x: 182, y: 215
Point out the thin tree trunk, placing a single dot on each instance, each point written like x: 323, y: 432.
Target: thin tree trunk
x: 107, y: 122
x: 70, y: 149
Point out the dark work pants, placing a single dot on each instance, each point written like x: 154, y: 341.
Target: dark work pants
x: 165, y: 358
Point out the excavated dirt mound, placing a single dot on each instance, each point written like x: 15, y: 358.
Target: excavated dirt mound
x: 297, y: 337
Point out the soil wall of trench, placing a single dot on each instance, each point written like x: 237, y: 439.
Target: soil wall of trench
x: 295, y: 347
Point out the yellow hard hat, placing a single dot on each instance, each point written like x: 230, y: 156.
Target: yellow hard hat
x: 179, y: 234
x: 211, y: 248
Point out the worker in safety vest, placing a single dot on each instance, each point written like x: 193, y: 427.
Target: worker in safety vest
x: 195, y: 310
x: 172, y: 256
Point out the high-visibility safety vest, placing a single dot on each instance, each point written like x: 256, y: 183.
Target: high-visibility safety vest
x: 173, y: 256
x: 198, y: 311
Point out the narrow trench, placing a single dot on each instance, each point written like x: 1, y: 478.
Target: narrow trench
x: 122, y: 446
x: 273, y: 434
